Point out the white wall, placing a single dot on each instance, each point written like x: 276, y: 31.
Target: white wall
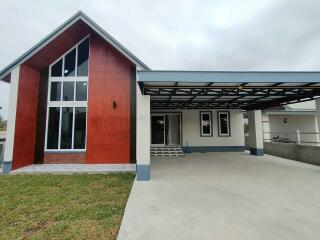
x: 4, y: 99
x: 8, y: 154
x: 143, y: 128
x: 306, y: 123
x: 191, y: 129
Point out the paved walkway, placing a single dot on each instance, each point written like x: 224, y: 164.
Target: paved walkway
x: 76, y: 168
x: 225, y: 196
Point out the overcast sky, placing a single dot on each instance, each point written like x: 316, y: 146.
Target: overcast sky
x: 184, y: 35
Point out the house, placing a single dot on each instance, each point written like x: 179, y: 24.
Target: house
x: 285, y: 123
x: 79, y: 96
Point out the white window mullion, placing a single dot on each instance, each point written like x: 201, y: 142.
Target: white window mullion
x: 60, y: 123
x: 76, y: 64
x: 73, y: 121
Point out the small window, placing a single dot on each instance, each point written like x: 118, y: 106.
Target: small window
x: 55, y: 92
x: 56, y: 69
x: 68, y: 91
x: 70, y: 63
x: 53, y: 128
x: 80, y: 128
x: 81, y: 91
x: 224, y: 124
x: 83, y: 56
x: 206, y: 124
x: 66, y: 127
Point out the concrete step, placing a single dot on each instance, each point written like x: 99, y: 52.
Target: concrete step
x: 166, y: 151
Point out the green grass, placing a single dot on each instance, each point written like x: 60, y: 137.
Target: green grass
x: 79, y: 206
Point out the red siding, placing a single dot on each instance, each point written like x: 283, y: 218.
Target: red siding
x: 26, y: 117
x: 50, y: 158
x: 108, y: 134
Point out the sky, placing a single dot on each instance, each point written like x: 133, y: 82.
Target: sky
x: 179, y: 34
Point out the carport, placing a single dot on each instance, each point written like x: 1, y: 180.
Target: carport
x: 247, y: 91
x: 225, y: 196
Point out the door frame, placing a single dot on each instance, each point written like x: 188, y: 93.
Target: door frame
x: 164, y: 115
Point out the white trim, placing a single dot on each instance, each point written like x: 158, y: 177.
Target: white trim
x: 72, y: 104
x: 8, y: 152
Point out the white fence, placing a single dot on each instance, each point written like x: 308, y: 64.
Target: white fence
x: 304, y: 138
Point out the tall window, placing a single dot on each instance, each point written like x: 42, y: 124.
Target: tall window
x: 67, y: 100
x: 224, y: 123
x: 206, y: 124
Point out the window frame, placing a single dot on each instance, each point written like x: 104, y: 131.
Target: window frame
x: 228, y: 125
x: 72, y: 104
x: 210, y: 121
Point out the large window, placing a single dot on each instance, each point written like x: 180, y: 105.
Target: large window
x: 224, y: 123
x: 206, y: 124
x: 67, y: 100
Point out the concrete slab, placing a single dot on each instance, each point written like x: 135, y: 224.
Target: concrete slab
x: 225, y: 196
x: 75, y: 168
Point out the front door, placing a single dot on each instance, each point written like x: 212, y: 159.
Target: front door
x: 165, y: 129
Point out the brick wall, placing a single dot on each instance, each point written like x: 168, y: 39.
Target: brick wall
x: 64, y: 158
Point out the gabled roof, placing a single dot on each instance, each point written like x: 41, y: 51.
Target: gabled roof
x: 78, y: 16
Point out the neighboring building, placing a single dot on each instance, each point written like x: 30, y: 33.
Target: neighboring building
x: 282, y: 124
x: 79, y: 96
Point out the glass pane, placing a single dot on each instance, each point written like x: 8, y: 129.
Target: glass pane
x: 80, y: 128
x: 68, y: 91
x: 83, y: 55
x: 224, y: 123
x: 55, y: 94
x: 81, y: 91
x: 206, y: 124
x: 172, y: 128
x: 157, y: 129
x: 53, y: 128
x: 70, y: 63
x: 66, y: 128
x: 56, y: 69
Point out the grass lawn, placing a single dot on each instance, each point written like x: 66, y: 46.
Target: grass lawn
x: 79, y: 206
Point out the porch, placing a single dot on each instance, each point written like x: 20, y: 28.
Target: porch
x: 232, y: 196
x: 211, y: 105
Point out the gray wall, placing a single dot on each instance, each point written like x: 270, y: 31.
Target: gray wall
x: 301, y: 153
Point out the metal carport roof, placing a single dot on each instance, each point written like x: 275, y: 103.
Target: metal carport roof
x: 226, y: 89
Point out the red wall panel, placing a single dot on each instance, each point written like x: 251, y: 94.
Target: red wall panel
x: 26, y: 117
x: 108, y: 133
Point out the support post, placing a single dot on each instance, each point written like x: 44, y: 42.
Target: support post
x: 143, y: 136
x: 255, y: 132
x: 298, y: 137
x: 8, y: 152
x: 266, y: 127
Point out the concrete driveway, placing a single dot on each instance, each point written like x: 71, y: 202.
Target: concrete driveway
x: 225, y: 196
